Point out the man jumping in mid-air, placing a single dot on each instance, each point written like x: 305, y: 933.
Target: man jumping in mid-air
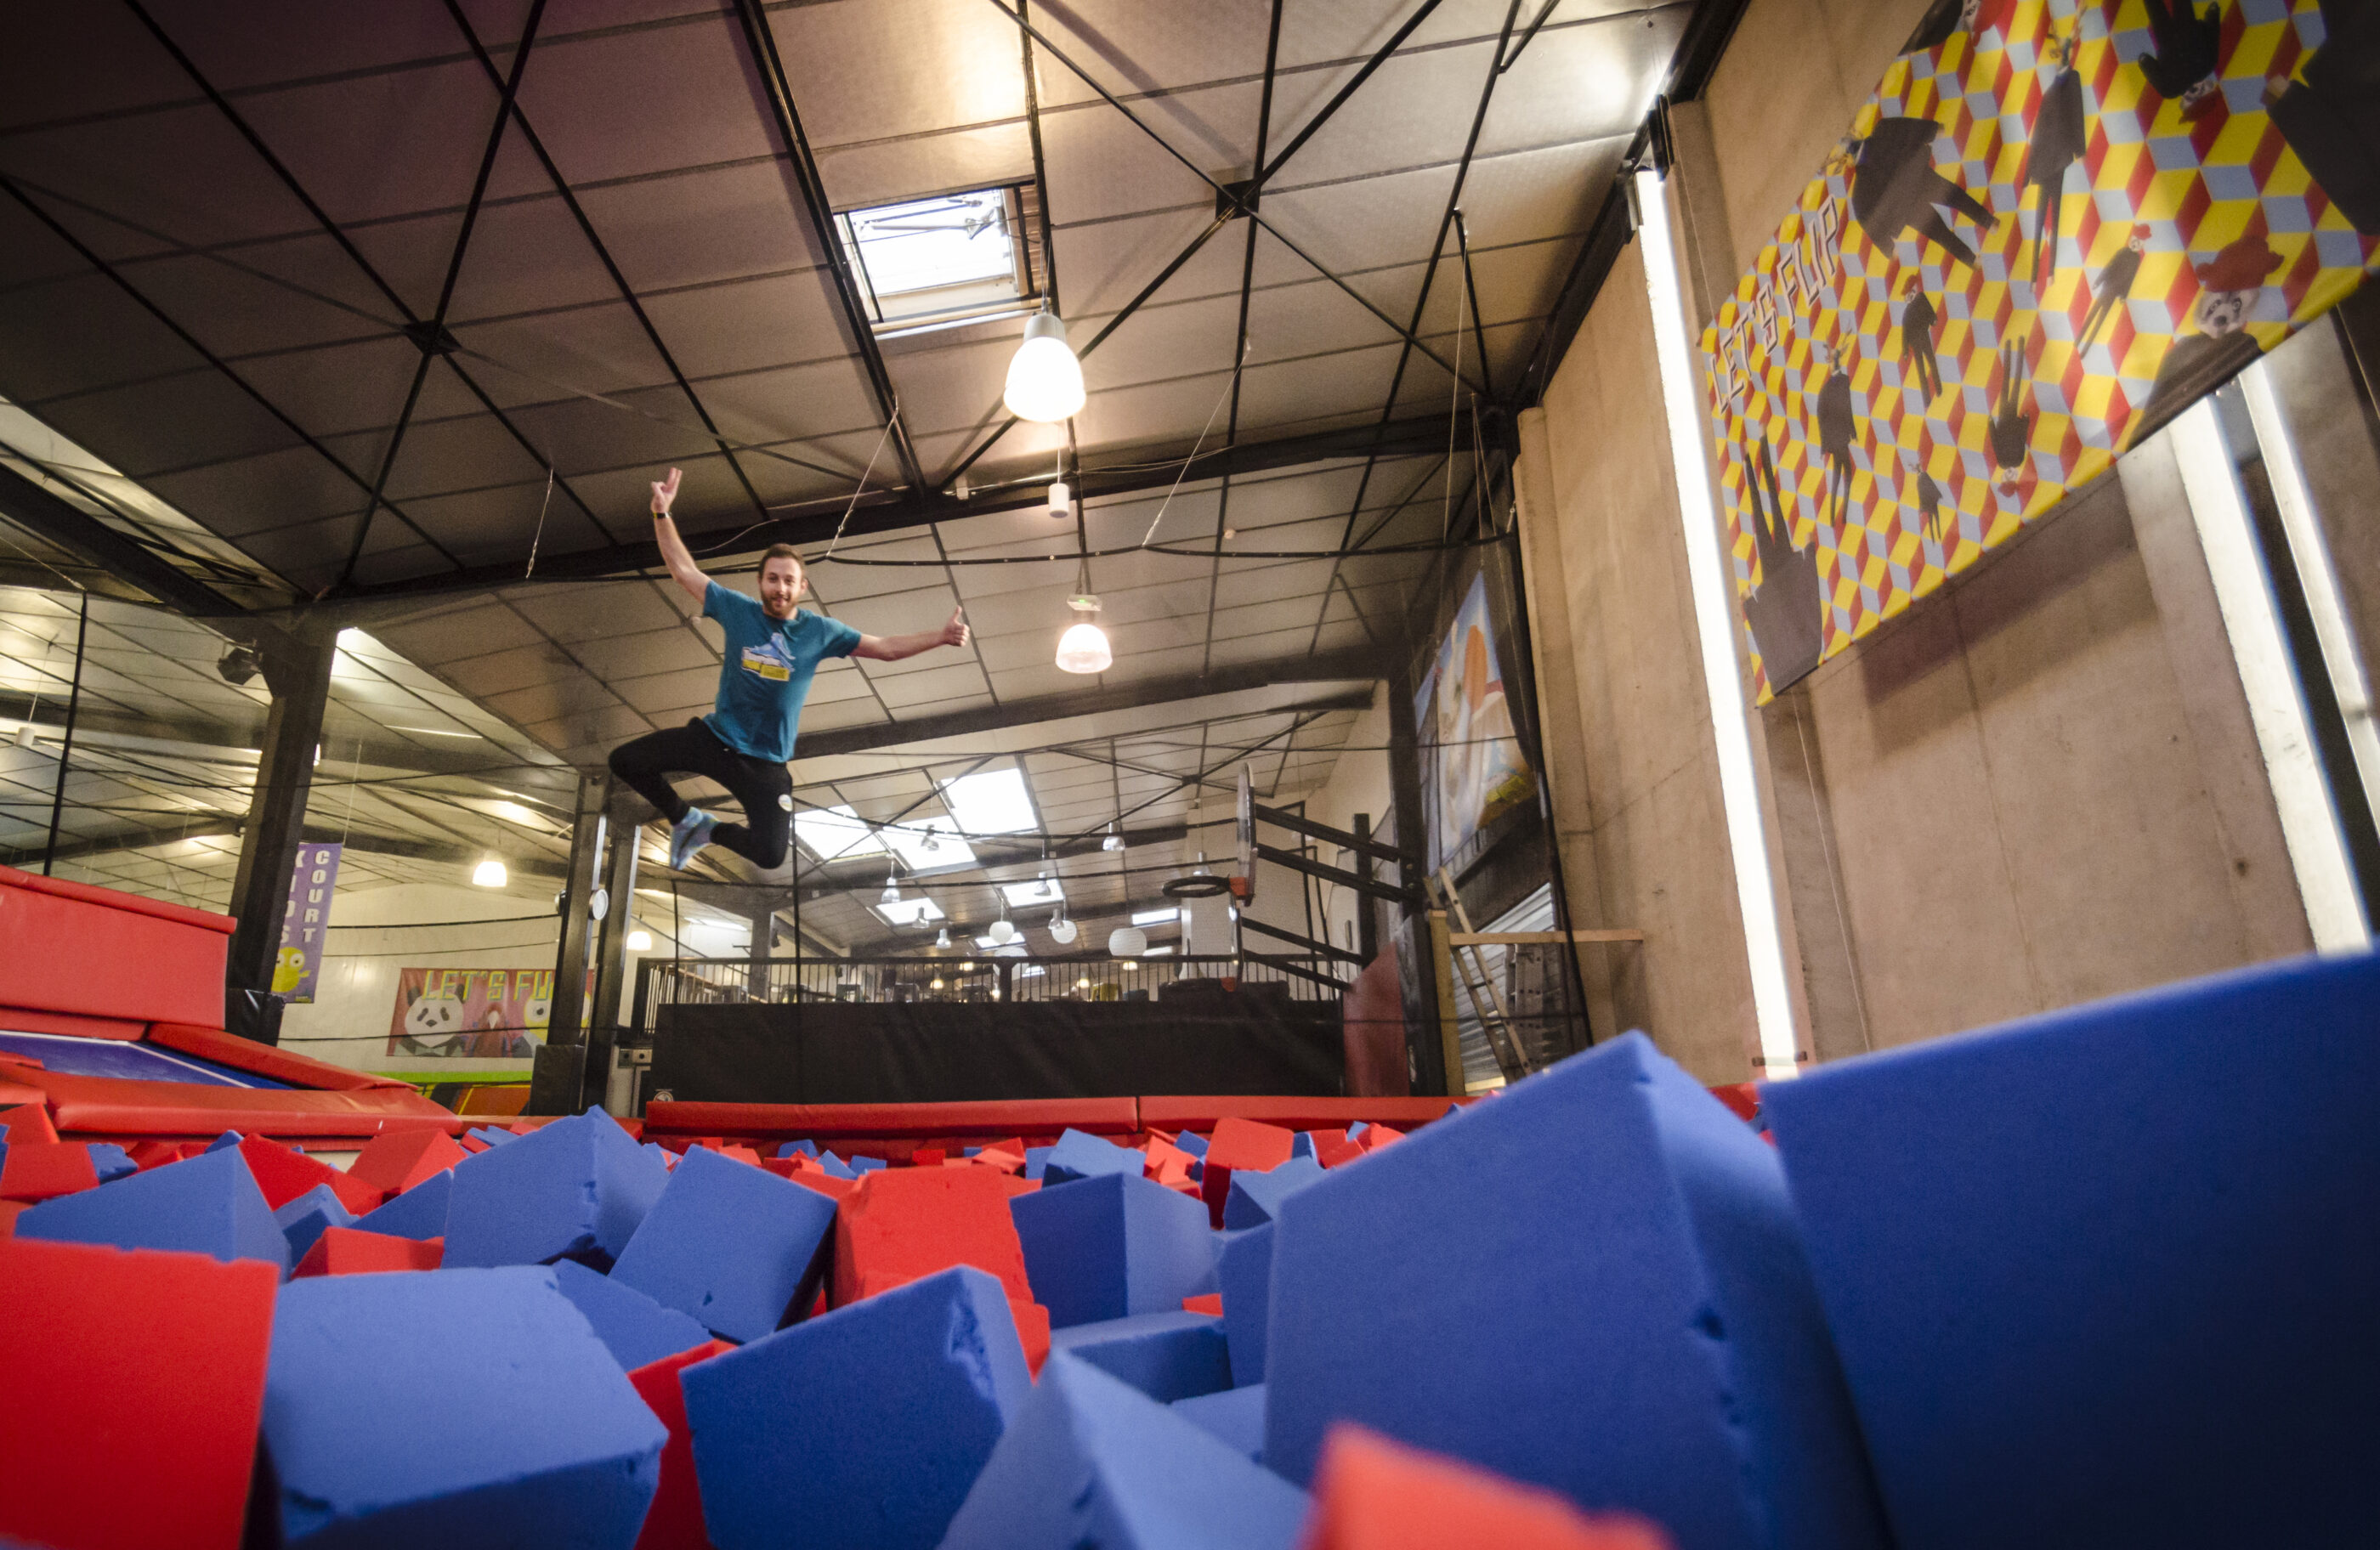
x: 763, y: 677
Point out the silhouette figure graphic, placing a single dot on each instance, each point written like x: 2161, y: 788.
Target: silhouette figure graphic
x: 1895, y: 189
x: 1837, y: 426
x: 2331, y: 118
x: 2115, y: 284
x: 1784, y: 610
x: 1931, y: 501
x: 2059, y: 133
x: 2011, y: 428
x: 1918, y: 324
x: 2186, y: 51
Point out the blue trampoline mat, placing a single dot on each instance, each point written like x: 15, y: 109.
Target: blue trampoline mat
x: 144, y: 1062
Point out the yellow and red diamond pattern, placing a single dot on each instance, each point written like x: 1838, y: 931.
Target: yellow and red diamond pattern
x: 2194, y: 184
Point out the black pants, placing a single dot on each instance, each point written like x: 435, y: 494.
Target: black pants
x: 764, y: 787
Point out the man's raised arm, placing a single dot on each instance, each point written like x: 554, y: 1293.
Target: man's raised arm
x: 673, y: 551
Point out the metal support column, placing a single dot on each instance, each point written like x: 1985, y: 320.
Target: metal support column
x: 1418, y: 981
x: 560, y: 1079
x: 298, y: 671
x: 612, y: 956
x: 1367, y: 911
x: 764, y: 931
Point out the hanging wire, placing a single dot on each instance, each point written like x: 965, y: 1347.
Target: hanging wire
x: 857, y: 491
x: 1237, y: 367
x: 1454, y: 418
x: 538, y: 537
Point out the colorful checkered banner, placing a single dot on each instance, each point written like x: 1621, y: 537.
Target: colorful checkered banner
x: 2050, y: 231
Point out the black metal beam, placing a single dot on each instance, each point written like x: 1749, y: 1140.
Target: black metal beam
x: 1298, y: 823
x: 1364, y: 666
x: 603, y: 255
x: 1291, y: 966
x: 918, y: 509
x: 1606, y: 241
x: 779, y: 91
x: 45, y: 513
x: 1363, y: 885
x: 1321, y: 950
x: 1378, y: 58
x: 298, y: 669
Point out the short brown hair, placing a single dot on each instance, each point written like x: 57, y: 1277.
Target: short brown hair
x: 782, y: 552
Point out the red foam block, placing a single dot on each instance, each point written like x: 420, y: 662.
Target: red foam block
x: 396, y: 1161
x: 675, y: 1521
x: 28, y: 1121
x: 125, y: 1350
x: 1239, y: 1142
x: 1371, y: 1494
x: 900, y: 1226
x: 1205, y: 1302
x: 1332, y: 1147
x: 284, y: 1175
x: 1033, y: 1329
x: 347, y: 1251
x: 38, y: 1170
x: 9, y: 1211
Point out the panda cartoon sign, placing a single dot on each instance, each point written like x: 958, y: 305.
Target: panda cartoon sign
x: 472, y: 1013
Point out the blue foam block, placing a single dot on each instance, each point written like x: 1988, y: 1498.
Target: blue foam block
x: 302, y: 1218
x: 1192, y: 1143
x: 108, y: 1160
x: 1080, y: 1155
x: 207, y: 1205
x: 634, y: 1327
x: 1594, y: 1284
x: 1244, y: 1268
x: 1303, y: 1146
x: 798, y: 1149
x: 728, y: 1244
x: 470, y: 1407
x: 418, y: 1213
x: 490, y: 1135
x: 862, y: 1428
x: 1356, y: 1131
x: 835, y: 1167
x: 1104, y: 1247
x: 2106, y: 1276
x: 1235, y: 1415
x: 1255, y: 1197
x: 867, y: 1165
x: 1091, y: 1461
x: 228, y: 1138
x: 660, y: 1153
x: 1037, y: 1161
x: 1167, y: 1356
x: 575, y: 1189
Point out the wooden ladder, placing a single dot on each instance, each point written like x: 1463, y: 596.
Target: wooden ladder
x: 1471, y: 969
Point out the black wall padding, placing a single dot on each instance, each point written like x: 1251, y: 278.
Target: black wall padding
x: 942, y: 1053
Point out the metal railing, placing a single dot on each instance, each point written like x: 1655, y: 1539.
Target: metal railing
x: 985, y: 980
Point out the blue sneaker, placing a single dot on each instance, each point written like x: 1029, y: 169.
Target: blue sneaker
x: 688, y: 835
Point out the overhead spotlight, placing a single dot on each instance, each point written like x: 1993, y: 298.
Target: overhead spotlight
x: 1114, y: 841
x: 891, y: 894
x: 490, y: 873
x: 943, y: 939
x: 239, y: 663
x: 936, y: 983
x: 1061, y: 499
x: 933, y: 843
x: 1084, y: 646
x: 1045, y: 381
x: 640, y: 940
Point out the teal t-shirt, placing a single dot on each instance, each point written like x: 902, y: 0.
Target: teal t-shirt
x: 766, y: 673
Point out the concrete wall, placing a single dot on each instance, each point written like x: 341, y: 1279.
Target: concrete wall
x: 2035, y: 788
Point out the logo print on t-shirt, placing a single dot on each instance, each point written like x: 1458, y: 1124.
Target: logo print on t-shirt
x: 769, y: 660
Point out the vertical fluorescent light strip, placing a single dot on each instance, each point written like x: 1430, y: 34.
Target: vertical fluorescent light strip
x: 1772, y: 1004
x: 2303, y: 525
x: 2309, y: 823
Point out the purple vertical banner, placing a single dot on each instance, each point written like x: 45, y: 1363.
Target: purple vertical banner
x: 305, y: 924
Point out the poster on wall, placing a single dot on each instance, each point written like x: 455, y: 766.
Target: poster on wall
x: 2052, y: 228
x: 305, y: 924
x: 1473, y: 768
x: 472, y: 1013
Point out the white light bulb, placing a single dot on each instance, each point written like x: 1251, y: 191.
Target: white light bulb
x: 1045, y: 381
x: 1084, y: 646
x: 490, y: 873
x: 942, y: 938
x: 640, y: 941
x: 1061, y: 499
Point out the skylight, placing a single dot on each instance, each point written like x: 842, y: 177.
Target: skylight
x: 832, y: 834
x: 920, y: 911
x: 1040, y: 890
x: 930, y: 846
x: 1157, y: 917
x: 951, y: 256
x: 992, y: 802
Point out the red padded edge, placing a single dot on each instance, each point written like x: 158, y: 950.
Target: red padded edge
x: 116, y: 898
x: 792, y: 1121
x: 23, y: 1020
x: 1172, y: 1113
x: 116, y: 1107
x: 67, y: 947
x: 263, y: 1060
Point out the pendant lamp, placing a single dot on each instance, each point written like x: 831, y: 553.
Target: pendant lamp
x: 1045, y: 381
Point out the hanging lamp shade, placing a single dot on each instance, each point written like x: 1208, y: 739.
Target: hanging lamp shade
x: 1127, y: 942
x: 943, y: 938
x: 1002, y: 932
x: 1045, y: 381
x: 1084, y: 646
x: 1061, y: 930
